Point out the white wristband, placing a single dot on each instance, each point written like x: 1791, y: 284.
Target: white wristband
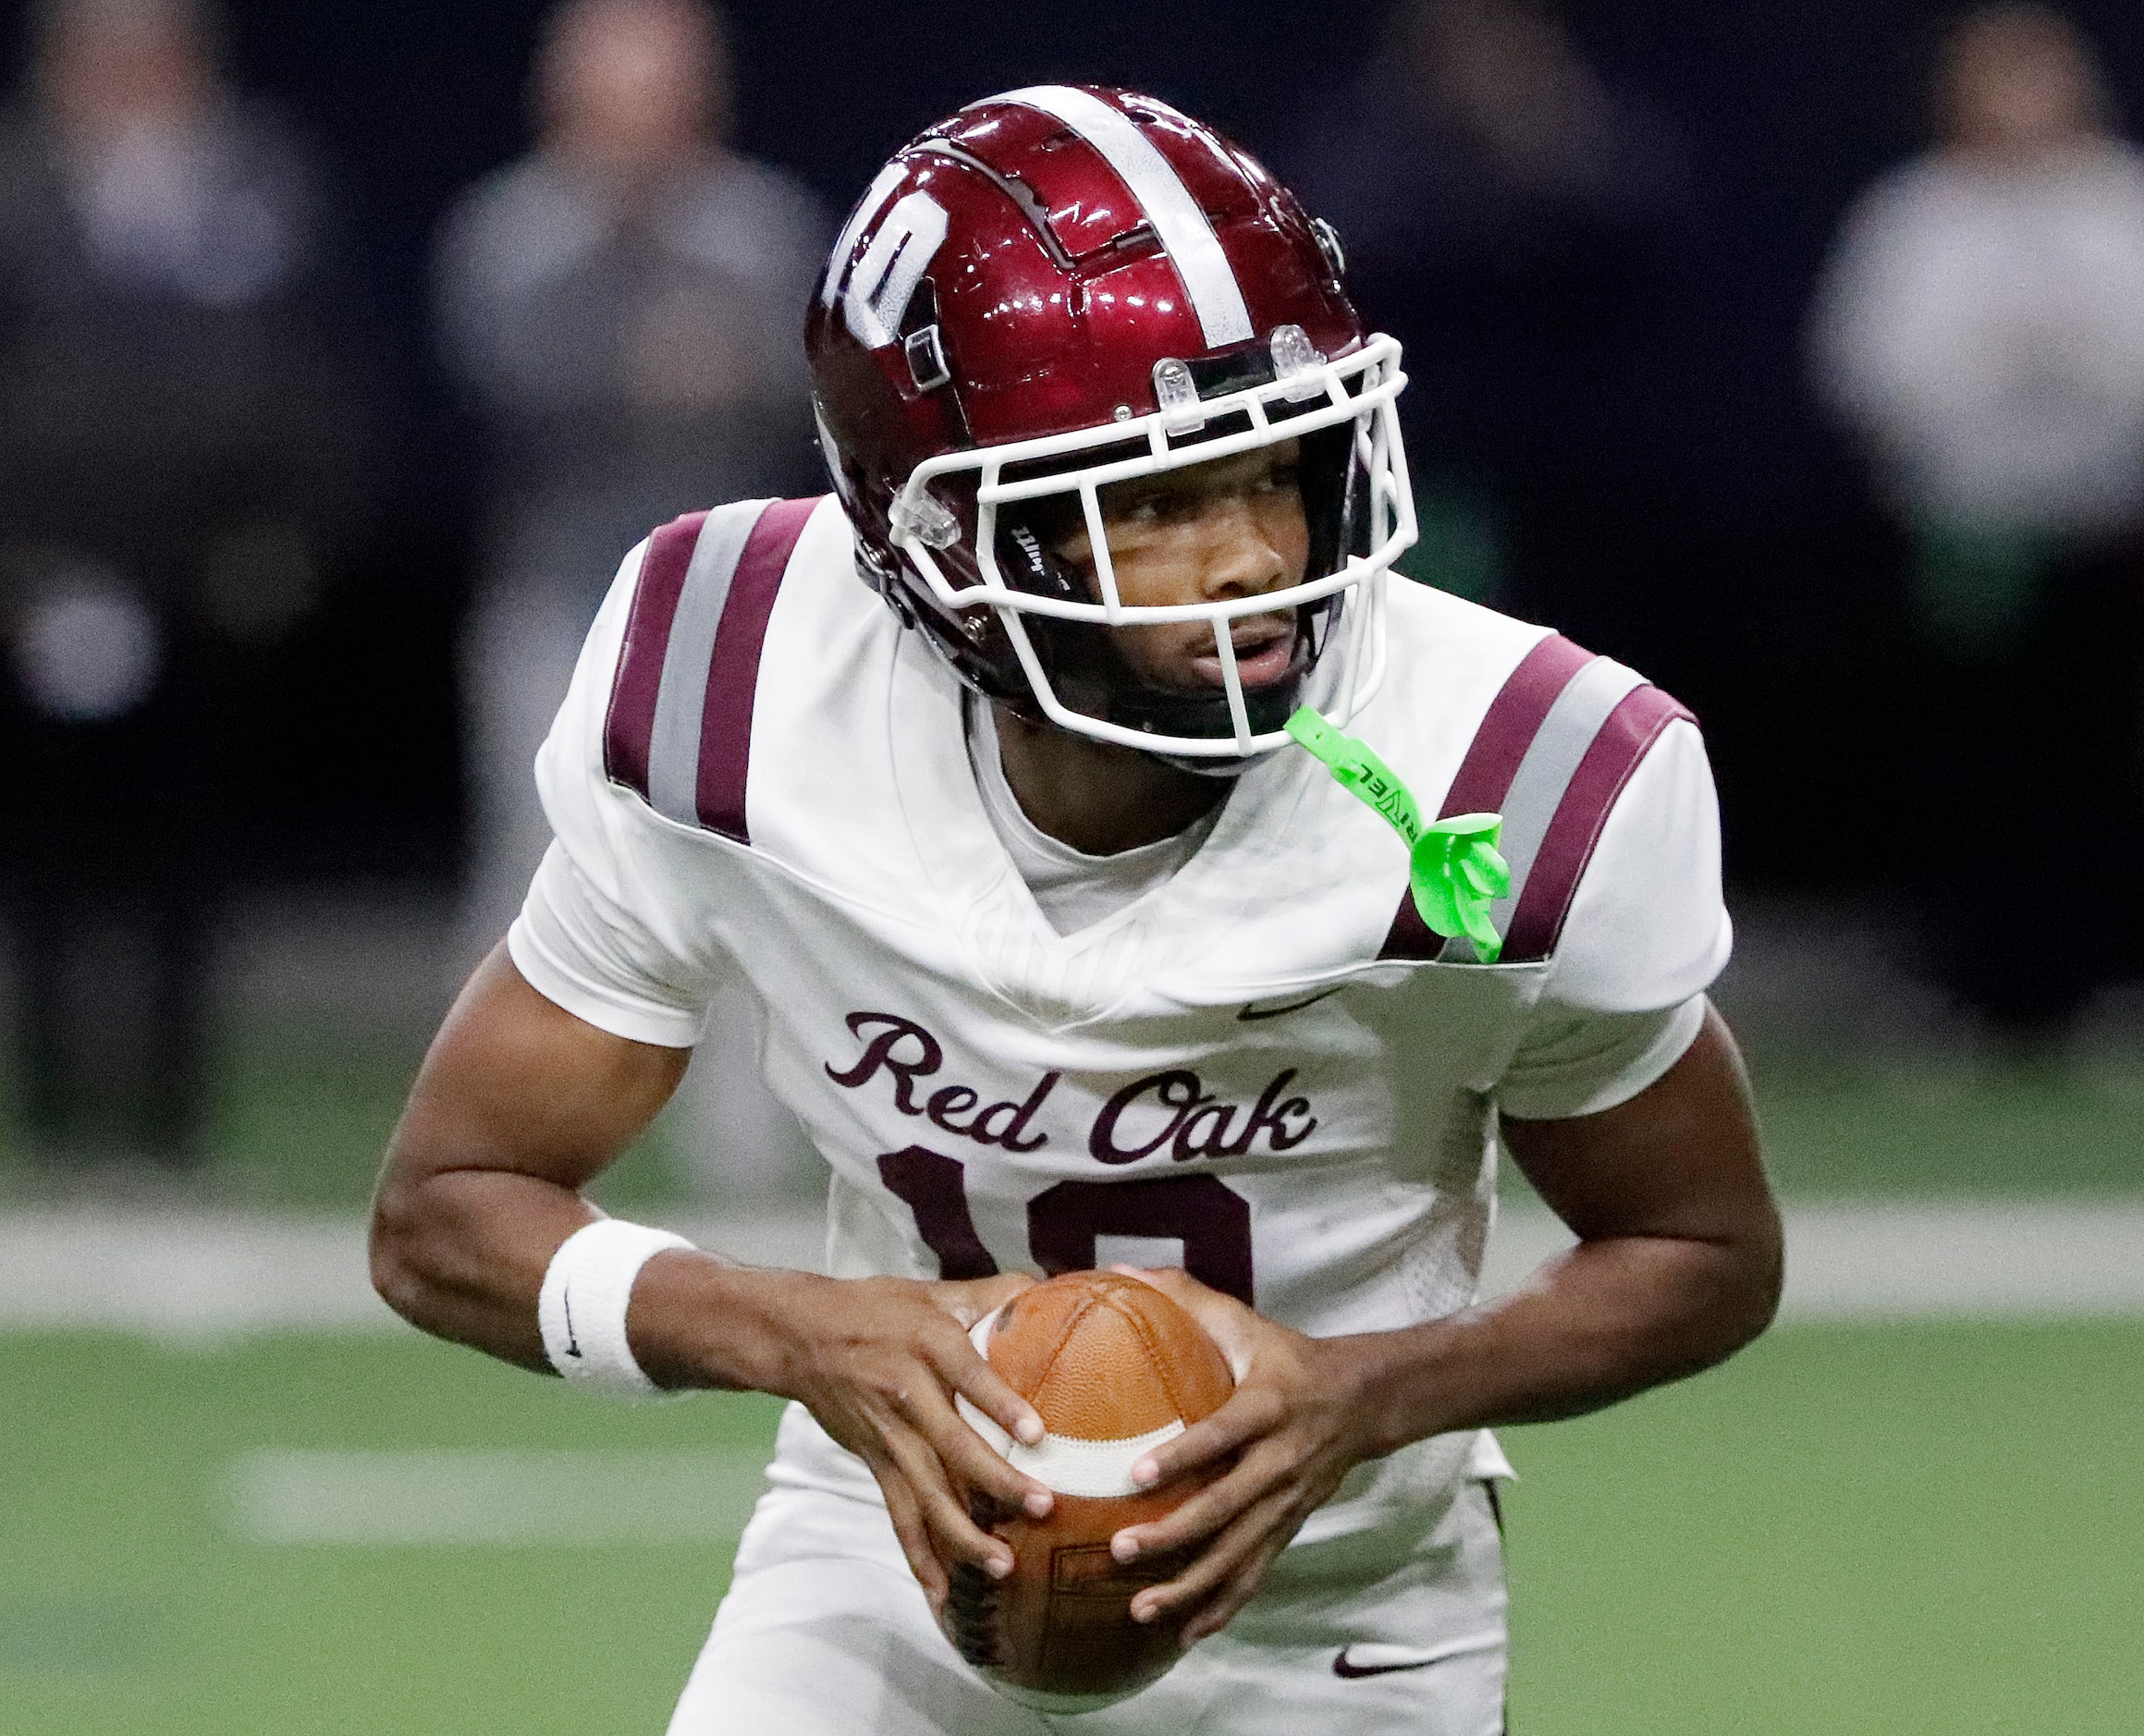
x: 581, y: 1306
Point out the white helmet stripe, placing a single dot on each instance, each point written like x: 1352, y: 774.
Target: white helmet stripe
x: 1181, y: 227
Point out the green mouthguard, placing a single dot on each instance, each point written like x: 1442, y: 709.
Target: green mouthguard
x: 1455, y: 866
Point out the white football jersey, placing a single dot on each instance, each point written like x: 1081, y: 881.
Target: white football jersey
x: 1266, y: 1069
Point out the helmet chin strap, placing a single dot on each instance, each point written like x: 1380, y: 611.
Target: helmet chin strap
x: 1227, y: 770
x: 1161, y: 712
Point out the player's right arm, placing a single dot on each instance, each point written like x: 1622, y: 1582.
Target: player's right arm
x: 520, y: 1106
x: 562, y: 1047
x: 554, y: 1059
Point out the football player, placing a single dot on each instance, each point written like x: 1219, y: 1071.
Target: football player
x: 1070, y: 956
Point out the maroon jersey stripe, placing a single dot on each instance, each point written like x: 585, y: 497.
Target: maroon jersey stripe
x: 630, y: 724
x: 733, y: 672
x: 1411, y: 937
x: 1484, y: 777
x: 1508, y: 728
x: 1610, y: 763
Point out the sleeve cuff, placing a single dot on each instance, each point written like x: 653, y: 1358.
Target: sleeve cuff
x: 592, y: 1003
x: 1609, y: 1075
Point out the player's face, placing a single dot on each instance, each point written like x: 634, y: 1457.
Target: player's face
x: 1210, y: 533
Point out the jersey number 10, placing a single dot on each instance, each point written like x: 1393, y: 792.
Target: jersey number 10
x: 1065, y: 1222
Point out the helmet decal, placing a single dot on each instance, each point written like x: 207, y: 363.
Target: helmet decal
x: 882, y: 189
x: 884, y: 281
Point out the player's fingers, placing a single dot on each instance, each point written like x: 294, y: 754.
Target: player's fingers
x: 1241, y: 1549
x: 945, y: 1515
x: 907, y: 1527
x: 1250, y: 1412
x: 1211, y: 1511
x: 1242, y: 1587
x: 970, y: 1460
x: 972, y: 1376
x: 969, y: 1299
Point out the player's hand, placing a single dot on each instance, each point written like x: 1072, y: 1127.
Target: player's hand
x: 1290, y: 1427
x: 878, y: 1360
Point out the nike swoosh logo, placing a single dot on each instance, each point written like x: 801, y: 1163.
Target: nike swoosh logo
x: 1252, y: 1014
x: 572, y: 1338
x: 1348, y: 1670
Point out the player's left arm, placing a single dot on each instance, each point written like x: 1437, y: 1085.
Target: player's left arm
x: 1654, y: 1166
x: 1678, y: 1265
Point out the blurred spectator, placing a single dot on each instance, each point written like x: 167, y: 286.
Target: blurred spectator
x: 181, y: 444
x: 624, y: 308
x: 1982, y: 328
x: 1515, y: 221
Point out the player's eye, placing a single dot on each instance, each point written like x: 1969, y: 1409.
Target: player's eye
x: 1151, y: 507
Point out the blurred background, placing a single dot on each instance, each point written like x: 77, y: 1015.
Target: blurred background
x: 1793, y: 355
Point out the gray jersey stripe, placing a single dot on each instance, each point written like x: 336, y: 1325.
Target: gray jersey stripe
x: 682, y: 702
x: 1181, y: 227
x: 1537, y: 786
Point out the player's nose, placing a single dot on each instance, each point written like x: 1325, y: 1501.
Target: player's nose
x: 1243, y: 557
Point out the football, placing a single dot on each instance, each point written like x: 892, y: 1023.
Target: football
x: 1115, y: 1368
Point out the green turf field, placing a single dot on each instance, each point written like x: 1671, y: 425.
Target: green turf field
x: 1895, y: 1531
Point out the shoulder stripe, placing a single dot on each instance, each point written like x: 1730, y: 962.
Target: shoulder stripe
x: 733, y: 673
x: 1483, y: 782
x: 1567, y: 846
x: 681, y: 708
x: 1588, y: 700
x: 680, y: 727
x: 629, y: 722
x: 1508, y: 727
x: 1552, y: 754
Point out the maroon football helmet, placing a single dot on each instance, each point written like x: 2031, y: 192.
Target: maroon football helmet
x: 1060, y: 288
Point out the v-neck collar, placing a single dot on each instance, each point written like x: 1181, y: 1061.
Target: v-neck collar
x: 1055, y: 873
x: 1066, y: 980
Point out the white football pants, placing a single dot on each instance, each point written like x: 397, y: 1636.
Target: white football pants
x: 826, y: 1632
